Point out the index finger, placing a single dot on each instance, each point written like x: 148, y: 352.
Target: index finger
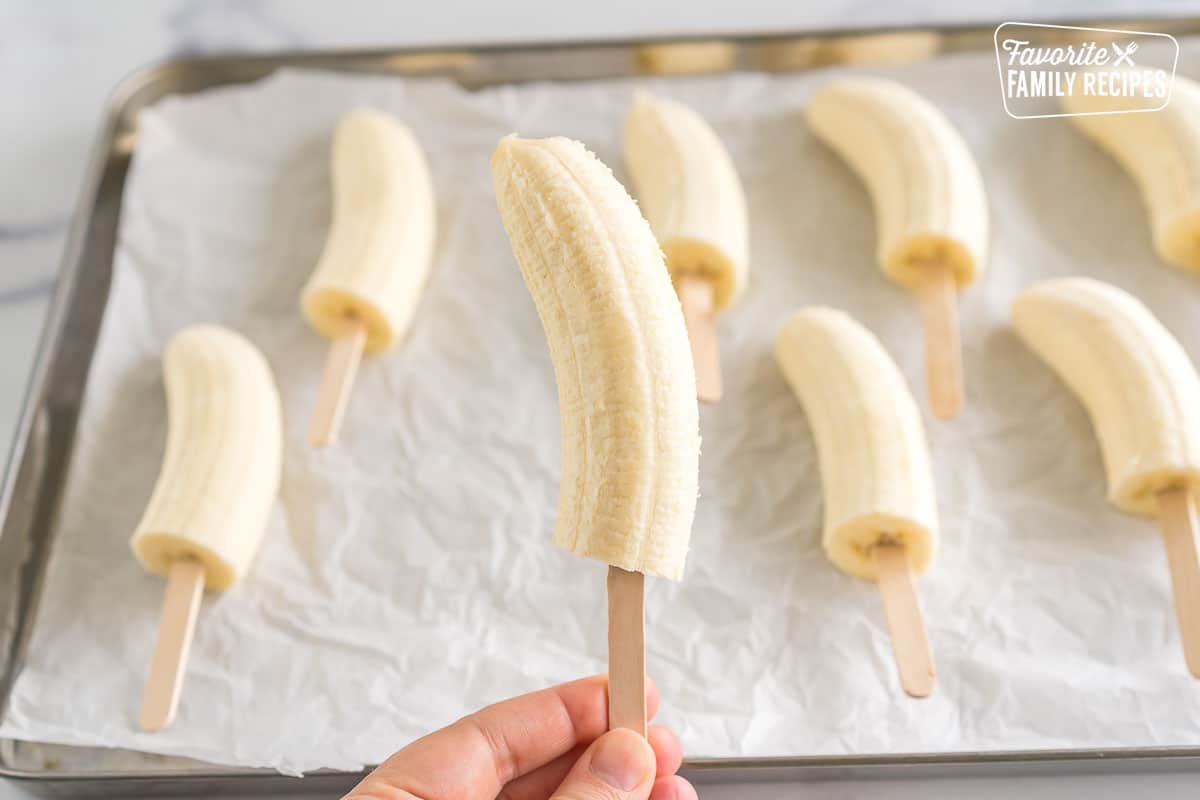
x: 479, y: 754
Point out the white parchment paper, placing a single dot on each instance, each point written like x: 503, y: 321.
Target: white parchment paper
x: 408, y: 577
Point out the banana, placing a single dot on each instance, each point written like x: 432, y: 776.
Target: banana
x: 875, y: 471
x: 684, y: 58
x: 926, y: 189
x: 1161, y: 151
x: 221, y: 469
x: 1137, y: 383
x: 627, y: 392
x: 690, y: 193
x: 380, y: 245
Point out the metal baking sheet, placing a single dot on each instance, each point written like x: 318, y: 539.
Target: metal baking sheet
x: 30, y: 494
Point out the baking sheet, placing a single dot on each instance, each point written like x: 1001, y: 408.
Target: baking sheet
x: 408, y: 577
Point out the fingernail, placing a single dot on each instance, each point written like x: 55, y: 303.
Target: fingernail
x: 622, y: 759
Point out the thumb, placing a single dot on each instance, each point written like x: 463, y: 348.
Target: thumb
x: 620, y: 765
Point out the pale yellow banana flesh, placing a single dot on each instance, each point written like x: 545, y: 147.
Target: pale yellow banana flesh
x: 688, y: 189
x: 876, y: 477
x: 627, y: 392
x: 1161, y: 152
x: 1143, y: 396
x: 380, y: 243
x: 1137, y: 383
x: 221, y: 469
x: 930, y: 206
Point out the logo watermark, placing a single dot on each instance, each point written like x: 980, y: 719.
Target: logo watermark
x: 1038, y: 61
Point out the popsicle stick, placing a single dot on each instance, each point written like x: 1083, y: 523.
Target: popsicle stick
x: 1177, y: 517
x: 905, y: 624
x: 626, y: 650
x: 345, y: 353
x: 696, y: 296
x: 181, y: 601
x: 938, y: 297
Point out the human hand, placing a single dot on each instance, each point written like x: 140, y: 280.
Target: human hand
x: 546, y: 745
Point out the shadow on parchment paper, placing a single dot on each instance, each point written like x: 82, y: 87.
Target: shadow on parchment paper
x: 1070, y: 188
x: 1042, y: 420
x: 136, y: 418
x: 839, y: 228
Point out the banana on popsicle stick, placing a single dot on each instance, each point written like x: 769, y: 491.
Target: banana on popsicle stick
x: 1161, y: 152
x: 1143, y: 396
x: 929, y: 204
x: 880, y: 510
x: 626, y: 387
x: 376, y: 258
x: 690, y: 193
x: 209, y: 508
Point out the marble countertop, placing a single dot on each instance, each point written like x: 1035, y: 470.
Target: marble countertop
x: 60, y: 59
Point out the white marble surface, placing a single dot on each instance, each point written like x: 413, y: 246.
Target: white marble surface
x: 60, y: 58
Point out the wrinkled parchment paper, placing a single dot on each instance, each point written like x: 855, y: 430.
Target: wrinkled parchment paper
x: 408, y: 577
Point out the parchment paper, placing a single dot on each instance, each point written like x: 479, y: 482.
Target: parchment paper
x: 408, y: 576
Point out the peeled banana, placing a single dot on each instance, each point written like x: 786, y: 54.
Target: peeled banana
x: 380, y: 244
x: 221, y: 469
x: 875, y: 471
x: 1161, y: 151
x: 627, y: 392
x: 1137, y: 383
x: 690, y: 193
x: 928, y: 195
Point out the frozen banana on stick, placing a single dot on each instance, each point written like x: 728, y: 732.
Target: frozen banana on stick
x: 690, y: 193
x: 877, y: 483
x: 1143, y: 396
x: 626, y: 387
x: 219, y: 479
x: 376, y: 258
x: 930, y: 207
x: 1160, y: 149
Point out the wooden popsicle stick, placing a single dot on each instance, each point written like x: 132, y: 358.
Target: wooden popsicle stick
x: 938, y: 298
x: 626, y: 650
x: 696, y: 297
x: 181, y: 601
x: 1177, y: 517
x: 902, y: 609
x: 345, y: 353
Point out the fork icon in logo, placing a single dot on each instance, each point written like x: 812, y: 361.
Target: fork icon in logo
x: 1123, y: 56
